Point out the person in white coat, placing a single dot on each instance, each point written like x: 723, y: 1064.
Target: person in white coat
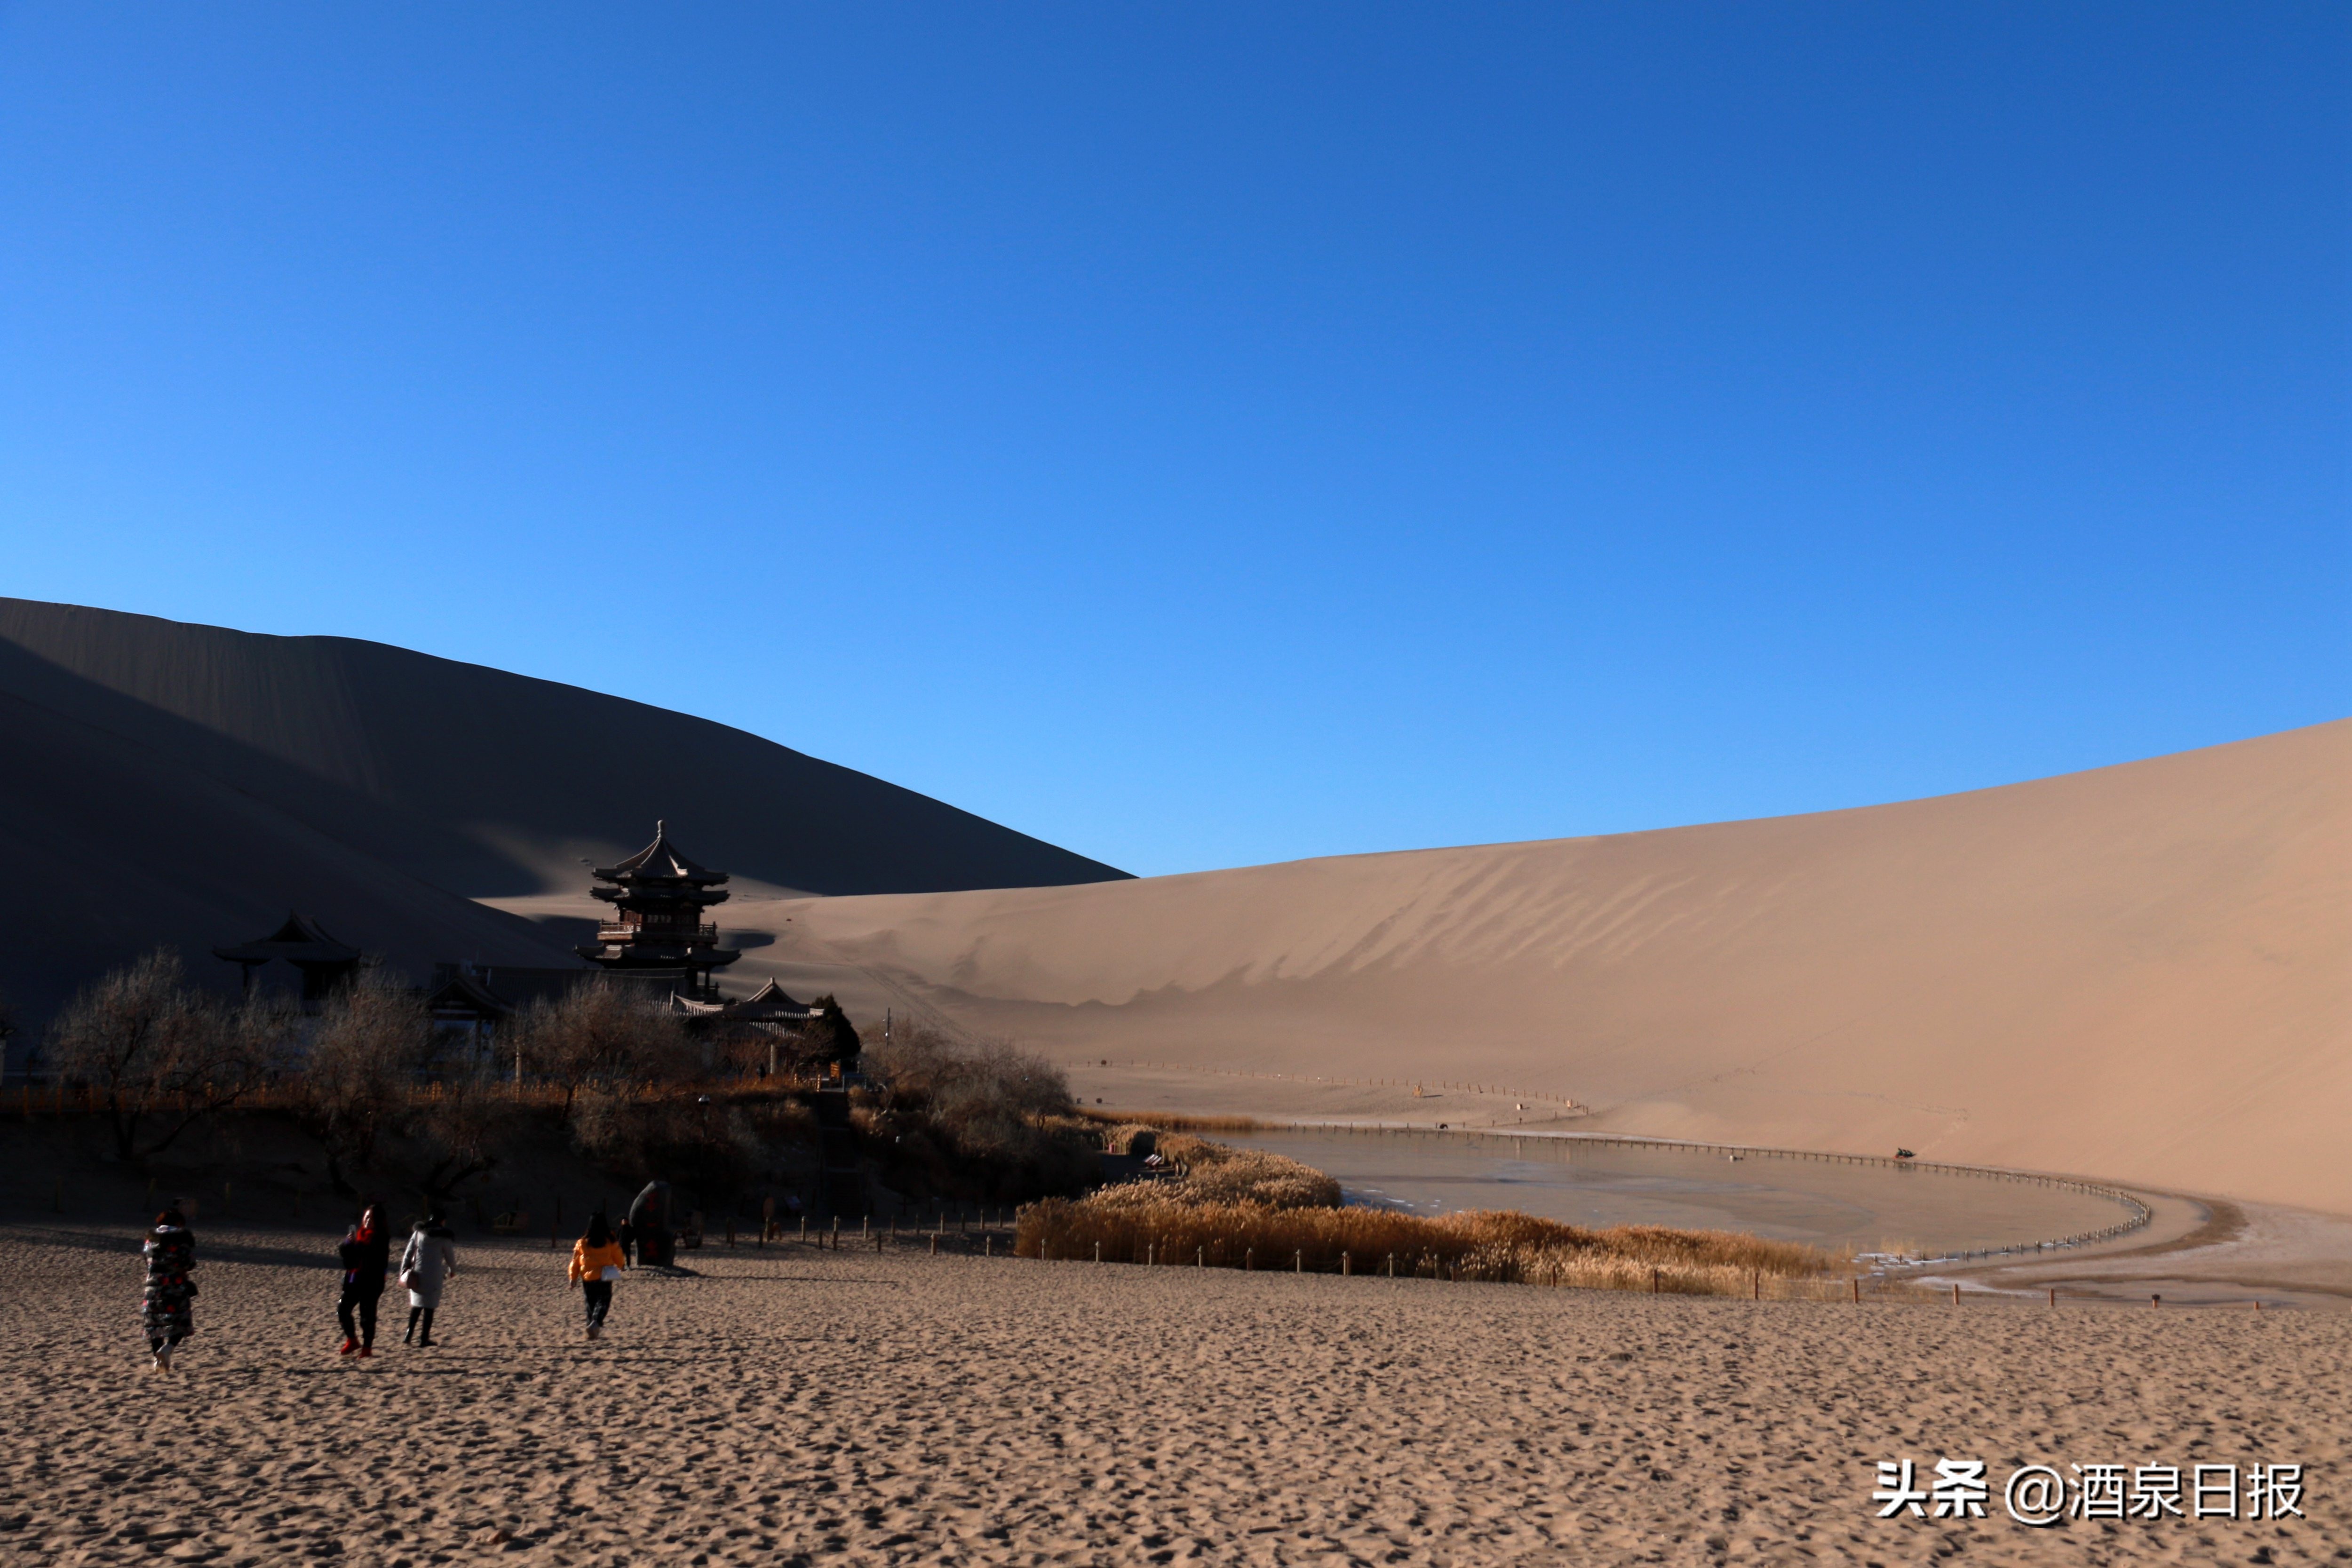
x: 426, y: 1265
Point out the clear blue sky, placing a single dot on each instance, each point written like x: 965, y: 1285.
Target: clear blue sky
x: 1204, y: 435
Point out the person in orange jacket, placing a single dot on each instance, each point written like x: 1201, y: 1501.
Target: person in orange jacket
x: 596, y: 1261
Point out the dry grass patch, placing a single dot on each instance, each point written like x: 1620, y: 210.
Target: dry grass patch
x: 1239, y: 1208
x: 1130, y: 1122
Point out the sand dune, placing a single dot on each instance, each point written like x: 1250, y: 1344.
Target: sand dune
x: 486, y: 782
x: 2141, y: 972
x: 184, y: 784
x: 113, y: 848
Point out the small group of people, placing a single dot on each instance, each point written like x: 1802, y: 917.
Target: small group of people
x: 426, y: 1262
x: 167, y: 1304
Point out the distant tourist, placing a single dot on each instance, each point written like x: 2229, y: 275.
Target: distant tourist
x: 426, y: 1265
x: 168, y: 1305
x: 596, y: 1261
x: 366, y: 1252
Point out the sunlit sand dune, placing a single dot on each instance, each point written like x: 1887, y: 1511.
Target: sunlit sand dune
x: 2143, y: 973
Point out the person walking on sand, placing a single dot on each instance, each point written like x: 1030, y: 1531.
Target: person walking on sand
x: 366, y: 1252
x: 167, y: 1305
x: 596, y: 1261
x: 426, y: 1265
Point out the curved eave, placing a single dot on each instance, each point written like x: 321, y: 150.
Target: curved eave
x: 659, y: 957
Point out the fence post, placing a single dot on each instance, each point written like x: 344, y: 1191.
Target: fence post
x: 1249, y: 1260
x: 1097, y: 1252
x: 1299, y: 1262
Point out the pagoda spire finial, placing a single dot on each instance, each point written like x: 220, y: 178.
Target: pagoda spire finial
x: 661, y: 827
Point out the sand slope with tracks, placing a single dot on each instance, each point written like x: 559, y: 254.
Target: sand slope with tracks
x: 2142, y: 973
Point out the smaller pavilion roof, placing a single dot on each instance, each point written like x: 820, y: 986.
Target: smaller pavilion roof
x: 462, y: 993
x: 300, y: 941
x: 769, y: 1004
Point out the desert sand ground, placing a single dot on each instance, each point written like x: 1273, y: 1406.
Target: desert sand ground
x: 803, y: 1406
x: 1311, y: 1096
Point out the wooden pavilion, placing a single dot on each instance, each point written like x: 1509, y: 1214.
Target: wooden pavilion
x: 303, y: 942
x: 658, y: 898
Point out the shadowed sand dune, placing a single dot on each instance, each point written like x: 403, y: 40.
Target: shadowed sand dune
x: 2143, y: 972
x: 487, y: 783
x: 161, y: 782
x: 115, y: 846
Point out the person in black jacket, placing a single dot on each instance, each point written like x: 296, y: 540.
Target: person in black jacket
x: 366, y: 1252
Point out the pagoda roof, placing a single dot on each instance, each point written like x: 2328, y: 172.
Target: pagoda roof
x: 298, y: 940
x: 769, y: 1004
x: 463, y: 992
x: 659, y: 861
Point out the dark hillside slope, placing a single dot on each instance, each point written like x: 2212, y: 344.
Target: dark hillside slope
x: 115, y: 845
x: 485, y: 782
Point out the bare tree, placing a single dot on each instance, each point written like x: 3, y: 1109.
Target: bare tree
x: 156, y: 1056
x: 463, y: 1130
x: 373, y: 1036
x: 987, y: 1097
x: 601, y: 1033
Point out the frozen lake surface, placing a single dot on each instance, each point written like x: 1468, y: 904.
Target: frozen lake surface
x: 1868, y: 1207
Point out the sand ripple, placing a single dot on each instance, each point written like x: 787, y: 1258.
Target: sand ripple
x: 803, y: 1406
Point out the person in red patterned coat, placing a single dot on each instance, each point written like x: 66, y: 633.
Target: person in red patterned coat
x: 167, y: 1307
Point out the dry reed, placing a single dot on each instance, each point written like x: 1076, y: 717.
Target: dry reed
x: 1128, y: 1122
x: 1136, y: 1224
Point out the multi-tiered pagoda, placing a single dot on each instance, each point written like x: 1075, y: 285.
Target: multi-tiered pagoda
x: 658, y: 897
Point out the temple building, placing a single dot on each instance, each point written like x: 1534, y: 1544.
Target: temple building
x: 303, y: 942
x: 658, y: 898
x: 771, y: 1005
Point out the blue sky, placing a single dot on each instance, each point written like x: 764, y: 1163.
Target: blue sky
x: 1203, y: 435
